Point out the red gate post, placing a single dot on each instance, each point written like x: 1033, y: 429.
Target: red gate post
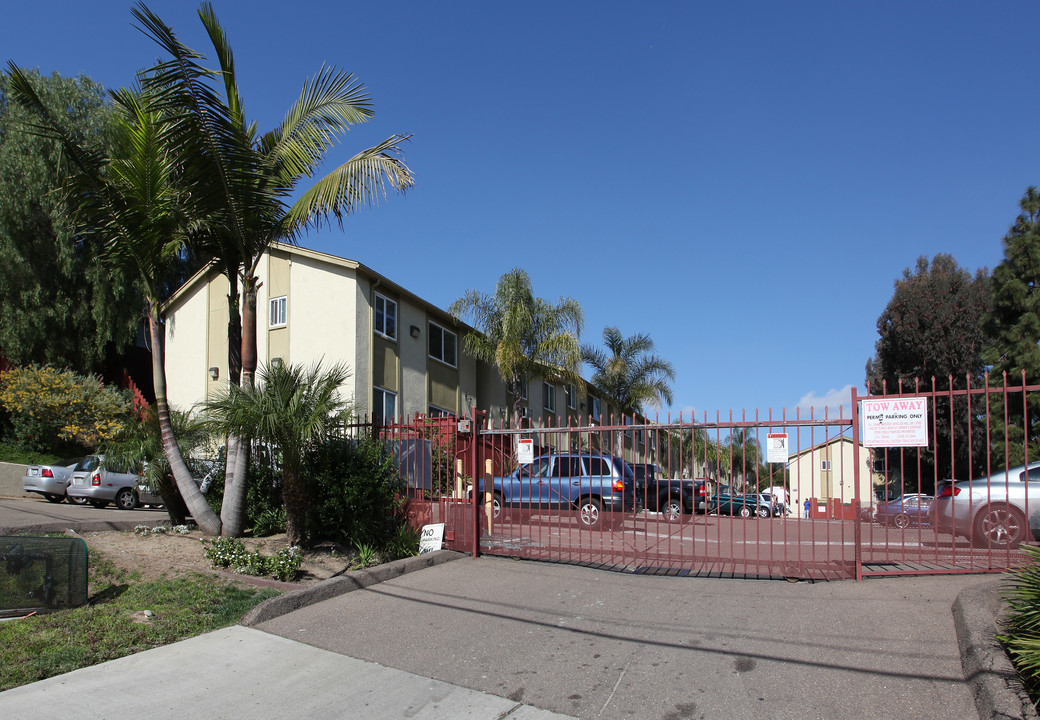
x: 475, y: 473
x: 855, y: 492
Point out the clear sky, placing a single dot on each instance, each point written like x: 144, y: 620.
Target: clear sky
x: 741, y: 180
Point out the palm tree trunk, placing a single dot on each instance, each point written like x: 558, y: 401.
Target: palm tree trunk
x: 236, y: 472
x: 294, y: 495
x: 200, y: 510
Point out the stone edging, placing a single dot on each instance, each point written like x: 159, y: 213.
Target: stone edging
x: 993, y: 680
x: 336, y: 586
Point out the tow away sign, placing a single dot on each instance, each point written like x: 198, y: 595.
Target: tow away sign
x: 897, y: 422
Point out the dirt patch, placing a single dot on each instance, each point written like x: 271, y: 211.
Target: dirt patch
x: 169, y: 554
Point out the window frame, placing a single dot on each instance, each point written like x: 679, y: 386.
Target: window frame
x: 454, y: 343
x: 381, y: 331
x: 383, y: 394
x: 281, y: 302
x: 825, y: 465
x: 549, y: 396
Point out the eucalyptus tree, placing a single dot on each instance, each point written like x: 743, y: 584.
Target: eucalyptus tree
x: 628, y: 373
x: 129, y: 201
x: 244, y: 180
x: 522, y: 335
x: 290, y: 408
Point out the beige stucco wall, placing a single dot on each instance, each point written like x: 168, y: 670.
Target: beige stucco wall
x: 809, y: 480
x: 187, y: 349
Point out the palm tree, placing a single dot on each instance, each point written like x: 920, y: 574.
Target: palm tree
x: 131, y: 203
x: 522, y: 335
x: 243, y: 180
x: 289, y: 409
x: 745, y: 453
x: 628, y: 373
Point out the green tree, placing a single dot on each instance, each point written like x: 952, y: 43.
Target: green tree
x: 129, y: 202
x: 290, y: 409
x: 243, y: 181
x: 522, y: 335
x: 629, y: 374
x: 932, y: 328
x: 746, y: 455
x: 60, y: 304
x: 1013, y: 329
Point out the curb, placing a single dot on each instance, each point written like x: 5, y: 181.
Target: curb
x: 993, y: 680
x: 336, y: 586
x: 78, y: 526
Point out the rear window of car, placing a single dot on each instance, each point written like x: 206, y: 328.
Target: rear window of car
x: 598, y: 465
x: 87, y: 465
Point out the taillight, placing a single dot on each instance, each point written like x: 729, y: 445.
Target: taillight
x: 700, y: 490
x: 618, y: 486
x: 47, y: 473
x: 95, y: 479
x: 950, y: 491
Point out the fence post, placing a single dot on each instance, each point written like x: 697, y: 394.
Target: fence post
x: 474, y: 469
x: 855, y: 485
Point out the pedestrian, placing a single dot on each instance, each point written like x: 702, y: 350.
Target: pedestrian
x: 807, y: 505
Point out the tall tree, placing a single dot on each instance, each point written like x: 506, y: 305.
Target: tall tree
x: 1013, y: 329
x: 522, y: 335
x: 244, y: 181
x: 629, y: 373
x: 932, y: 328
x: 130, y: 202
x: 60, y: 304
x: 289, y: 408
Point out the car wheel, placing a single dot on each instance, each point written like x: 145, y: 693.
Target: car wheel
x: 672, y: 508
x: 999, y: 527
x: 763, y: 512
x: 75, y: 500
x: 498, y: 508
x: 745, y: 511
x: 590, y: 513
x: 53, y: 498
x: 902, y: 520
x: 99, y: 503
x: 126, y: 499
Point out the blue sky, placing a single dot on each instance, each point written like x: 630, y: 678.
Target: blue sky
x: 743, y: 180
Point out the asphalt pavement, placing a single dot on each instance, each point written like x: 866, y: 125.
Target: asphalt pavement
x: 502, y: 638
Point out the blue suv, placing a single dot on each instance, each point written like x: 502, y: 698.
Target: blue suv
x: 598, y: 487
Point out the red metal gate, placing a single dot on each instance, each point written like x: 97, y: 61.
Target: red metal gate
x: 848, y: 511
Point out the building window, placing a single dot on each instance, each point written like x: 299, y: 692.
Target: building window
x: 549, y: 396
x: 825, y: 465
x: 572, y: 397
x: 594, y: 404
x: 437, y: 412
x: 443, y: 344
x: 523, y: 388
x: 386, y: 317
x: 384, y: 406
x: 276, y: 315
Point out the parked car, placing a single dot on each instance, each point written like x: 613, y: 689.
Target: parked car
x: 675, y: 497
x: 599, y: 487
x: 992, y: 511
x: 50, y: 480
x: 905, y: 510
x: 100, y: 485
x: 726, y: 503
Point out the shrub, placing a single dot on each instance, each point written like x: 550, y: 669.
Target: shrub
x: 47, y: 406
x: 231, y: 553
x: 1021, y: 624
x: 354, y: 492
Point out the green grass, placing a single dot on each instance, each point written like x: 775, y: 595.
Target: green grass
x: 42, y: 646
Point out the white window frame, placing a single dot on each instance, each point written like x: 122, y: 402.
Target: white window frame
x: 444, y: 333
x: 278, y: 312
x: 594, y: 408
x: 387, y: 303
x: 381, y: 396
x: 549, y: 396
x: 825, y: 465
x: 572, y: 393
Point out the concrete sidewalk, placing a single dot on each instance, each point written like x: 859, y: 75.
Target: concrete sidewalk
x: 498, y: 638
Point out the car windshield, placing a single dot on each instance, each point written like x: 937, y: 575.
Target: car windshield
x: 87, y: 464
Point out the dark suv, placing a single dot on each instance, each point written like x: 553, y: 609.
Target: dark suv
x: 674, y: 497
x: 598, y: 487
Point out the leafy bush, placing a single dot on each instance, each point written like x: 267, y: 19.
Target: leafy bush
x: 1021, y: 625
x: 354, y: 492
x: 48, y: 407
x: 231, y: 553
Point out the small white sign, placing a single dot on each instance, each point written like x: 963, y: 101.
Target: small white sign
x: 897, y: 422
x: 776, y: 448
x: 432, y: 538
x: 525, y: 451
